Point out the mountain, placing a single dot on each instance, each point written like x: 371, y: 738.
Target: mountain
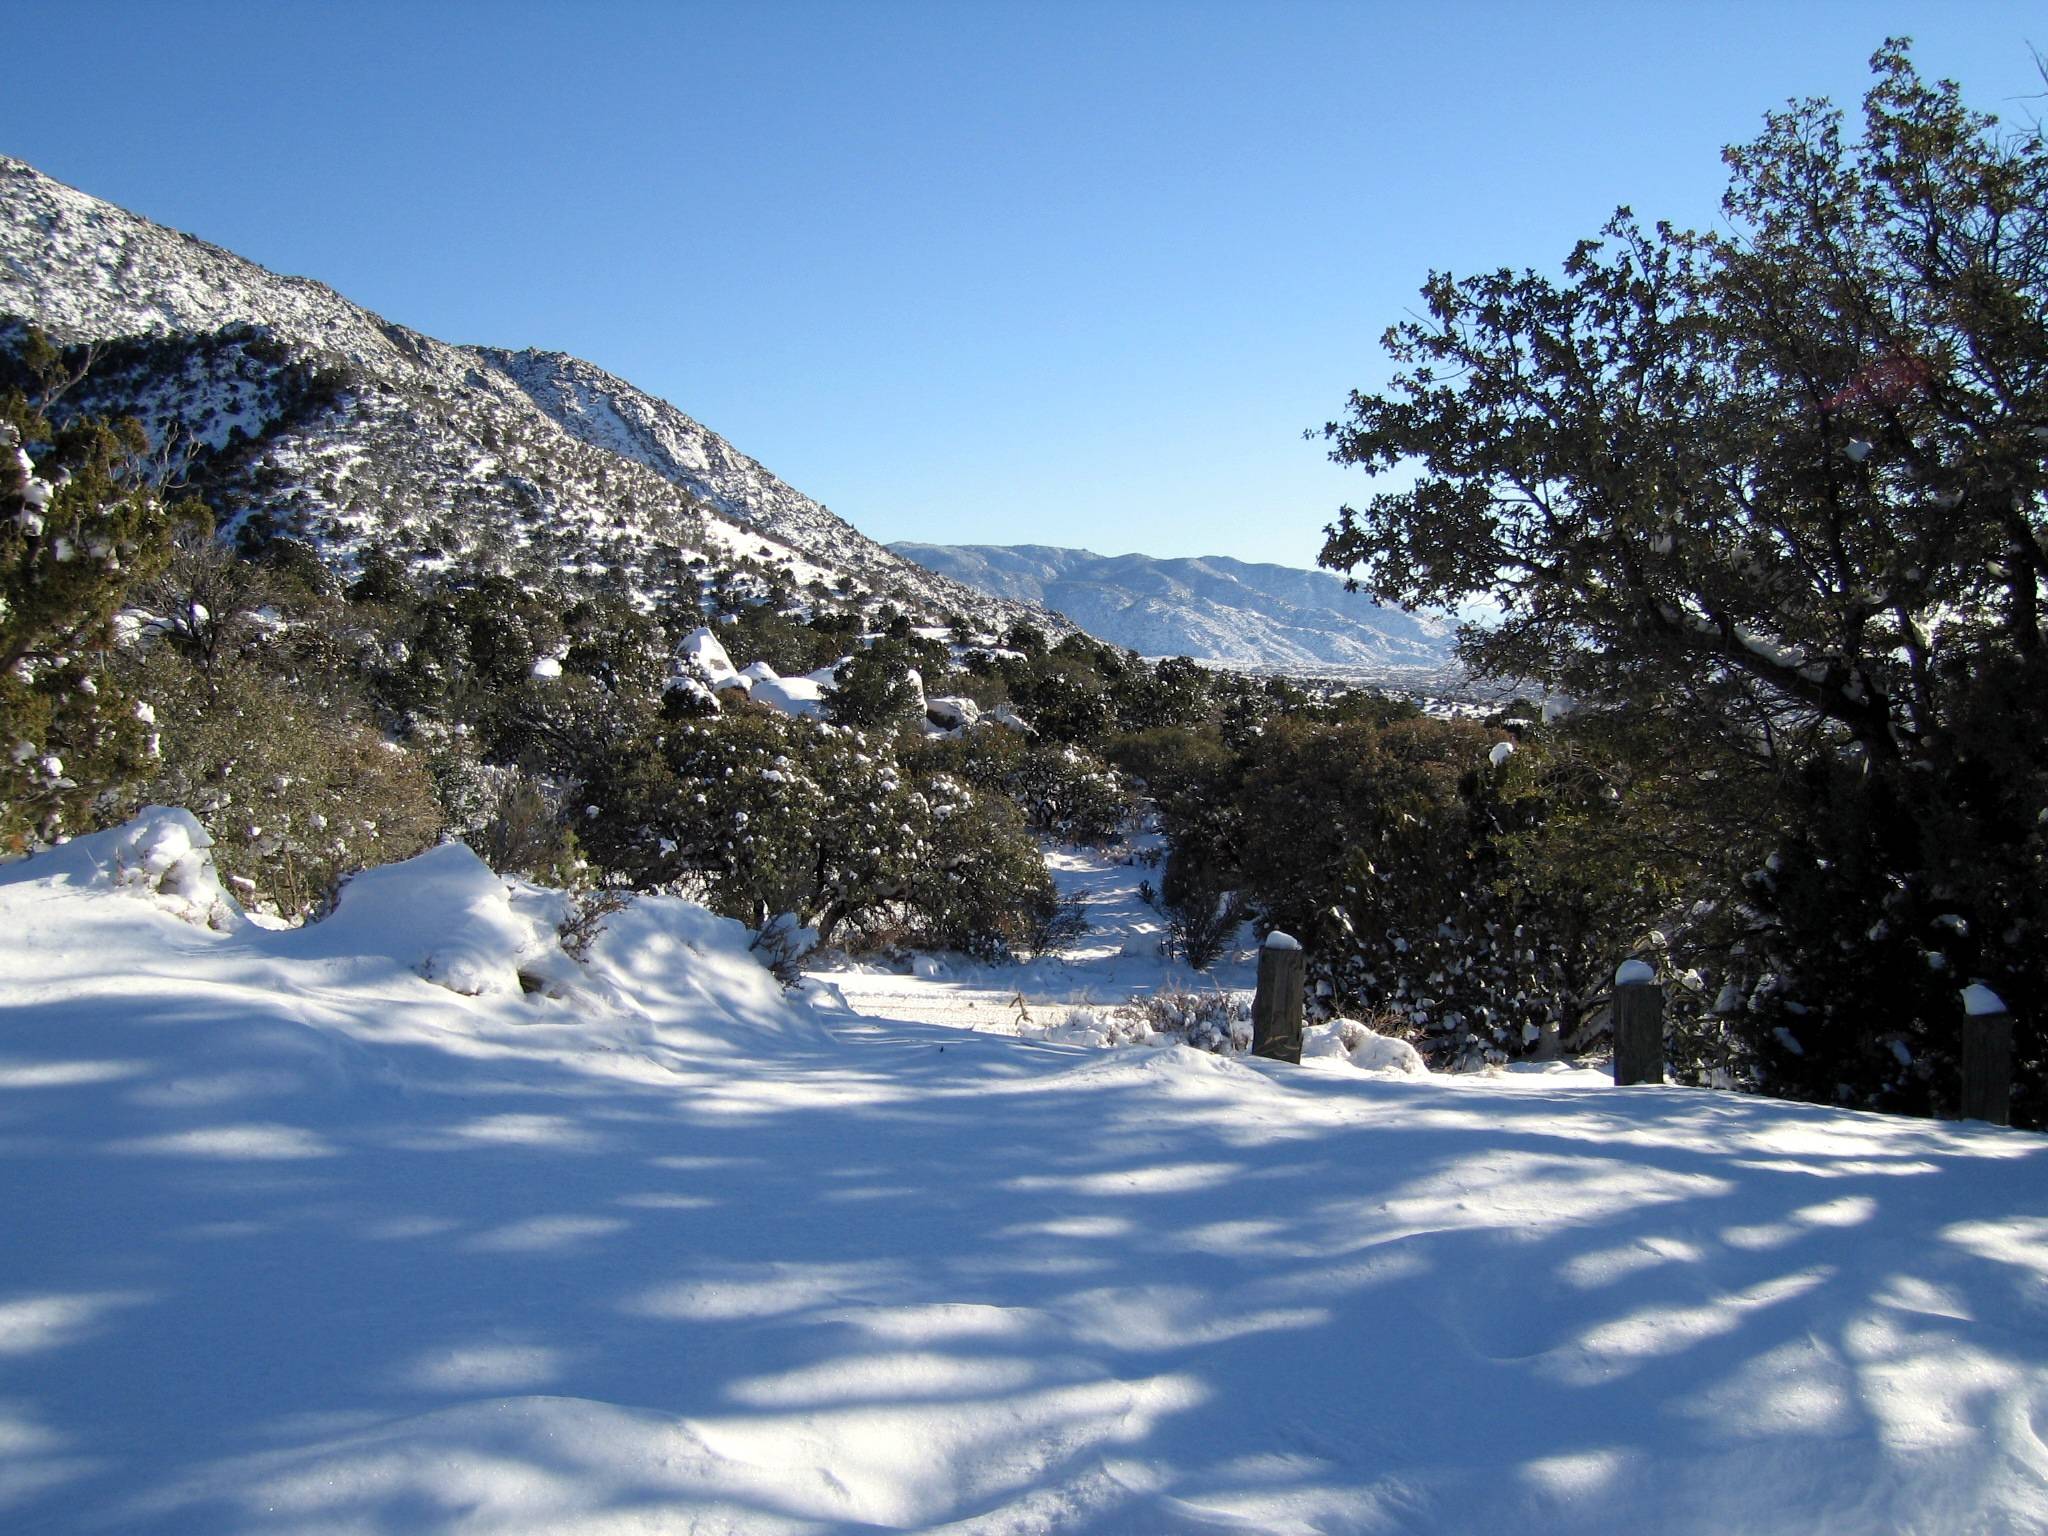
x: 1216, y: 610
x: 278, y: 400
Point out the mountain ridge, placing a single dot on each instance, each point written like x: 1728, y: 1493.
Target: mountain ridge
x: 1214, y: 609
x: 284, y: 399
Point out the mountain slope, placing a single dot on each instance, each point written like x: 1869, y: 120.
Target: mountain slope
x: 278, y: 398
x: 1213, y: 609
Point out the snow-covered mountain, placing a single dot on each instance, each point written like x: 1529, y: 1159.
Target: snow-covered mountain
x: 1215, y: 610
x: 279, y: 398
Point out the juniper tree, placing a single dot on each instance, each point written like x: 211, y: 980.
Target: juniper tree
x: 1780, y: 488
x: 78, y: 528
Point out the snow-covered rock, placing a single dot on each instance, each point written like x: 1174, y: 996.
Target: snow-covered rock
x: 800, y: 696
x: 1358, y: 1045
x: 444, y: 915
x: 952, y: 714
x: 705, y: 656
x: 163, y: 855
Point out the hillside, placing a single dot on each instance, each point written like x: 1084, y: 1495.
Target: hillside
x: 1214, y: 610
x: 276, y: 398
x: 346, y: 1228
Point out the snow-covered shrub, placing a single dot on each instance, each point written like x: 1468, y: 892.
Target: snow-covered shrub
x: 1100, y: 1028
x: 1213, y: 1020
x: 162, y: 855
x: 1482, y: 902
x: 1059, y: 930
x: 1063, y: 791
x: 585, y: 917
x: 1202, y: 915
x: 980, y: 885
x: 781, y: 946
x: 1362, y: 1046
x: 516, y: 821
x: 876, y: 688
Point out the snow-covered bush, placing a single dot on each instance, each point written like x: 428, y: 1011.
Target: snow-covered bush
x: 1214, y: 1020
x: 1203, y: 913
x: 1362, y: 1046
x: 1064, y: 791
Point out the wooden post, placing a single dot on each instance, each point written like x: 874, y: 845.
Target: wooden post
x: 1276, y: 1010
x: 1987, y: 1057
x: 1638, y: 1025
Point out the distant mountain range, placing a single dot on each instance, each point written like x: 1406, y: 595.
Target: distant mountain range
x: 1215, y: 610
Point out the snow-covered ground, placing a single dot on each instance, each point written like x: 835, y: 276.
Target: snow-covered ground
x: 299, y: 1240
x: 1117, y: 959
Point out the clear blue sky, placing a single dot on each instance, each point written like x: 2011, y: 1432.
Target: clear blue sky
x: 967, y: 272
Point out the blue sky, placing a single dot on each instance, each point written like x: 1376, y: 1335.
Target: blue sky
x: 1056, y: 273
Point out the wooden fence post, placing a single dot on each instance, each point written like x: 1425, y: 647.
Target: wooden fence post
x: 1987, y: 1056
x: 1638, y: 1025
x: 1276, y: 1009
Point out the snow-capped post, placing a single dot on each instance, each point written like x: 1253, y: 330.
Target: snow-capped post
x: 1276, y: 1009
x: 1638, y: 1025
x: 1987, y: 1056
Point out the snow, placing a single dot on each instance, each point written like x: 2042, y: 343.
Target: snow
x: 1278, y: 940
x: 299, y: 1239
x: 706, y: 657
x: 1979, y: 1000
x: 947, y: 712
x: 1635, y: 973
x: 1357, y: 1045
x: 800, y: 696
x: 1502, y: 751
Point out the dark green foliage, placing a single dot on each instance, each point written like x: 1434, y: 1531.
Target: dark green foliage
x: 874, y: 688
x: 790, y: 645
x: 516, y: 823
x: 1026, y: 637
x: 1199, y: 898
x: 1778, y: 495
x: 981, y: 886
x: 77, y: 531
x: 763, y: 815
x: 1484, y: 904
x: 289, y: 773
x: 1062, y: 791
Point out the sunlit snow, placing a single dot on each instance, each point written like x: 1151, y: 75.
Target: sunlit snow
x: 350, y: 1228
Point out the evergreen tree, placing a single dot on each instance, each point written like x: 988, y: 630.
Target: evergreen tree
x: 1779, y: 492
x: 78, y: 529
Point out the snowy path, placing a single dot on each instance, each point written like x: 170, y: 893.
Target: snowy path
x: 1118, y: 958
x: 298, y: 1242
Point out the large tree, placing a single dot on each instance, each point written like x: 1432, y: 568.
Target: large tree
x: 1781, y: 484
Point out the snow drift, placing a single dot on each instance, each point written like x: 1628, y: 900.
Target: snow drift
x: 350, y: 1228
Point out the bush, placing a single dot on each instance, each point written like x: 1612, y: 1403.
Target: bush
x: 296, y: 784
x: 1215, y: 1020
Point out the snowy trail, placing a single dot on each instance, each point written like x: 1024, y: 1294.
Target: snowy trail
x: 379, y: 1258
x: 1118, y: 958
